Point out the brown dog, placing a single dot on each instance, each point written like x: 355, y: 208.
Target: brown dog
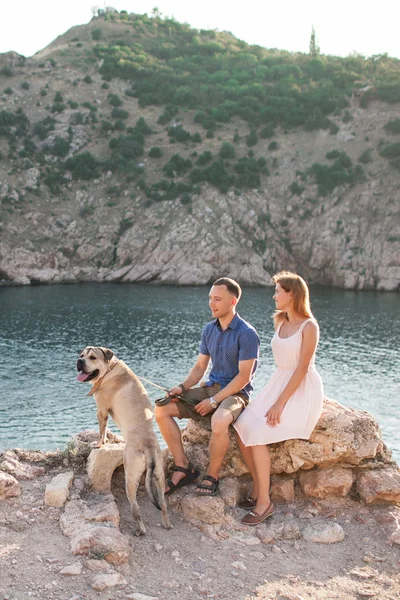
x: 118, y: 392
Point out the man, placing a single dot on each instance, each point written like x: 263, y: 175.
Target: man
x: 232, y: 345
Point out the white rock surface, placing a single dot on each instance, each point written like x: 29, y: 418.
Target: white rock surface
x: 57, y: 490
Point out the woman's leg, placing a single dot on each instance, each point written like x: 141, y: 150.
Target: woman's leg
x: 248, y: 459
x: 262, y: 465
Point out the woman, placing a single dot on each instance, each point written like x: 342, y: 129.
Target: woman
x: 290, y: 404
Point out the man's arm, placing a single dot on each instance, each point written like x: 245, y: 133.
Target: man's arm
x: 195, y: 375
x: 238, y: 382
x: 236, y: 385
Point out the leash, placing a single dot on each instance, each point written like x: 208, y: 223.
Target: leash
x: 157, y: 386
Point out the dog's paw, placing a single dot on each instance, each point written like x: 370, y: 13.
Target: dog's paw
x: 97, y: 444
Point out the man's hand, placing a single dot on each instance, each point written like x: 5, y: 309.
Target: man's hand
x: 274, y: 414
x: 204, y: 407
x: 174, y: 392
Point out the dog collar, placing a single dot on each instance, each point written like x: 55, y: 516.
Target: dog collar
x: 114, y: 361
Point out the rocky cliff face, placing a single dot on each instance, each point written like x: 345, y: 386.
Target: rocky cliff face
x: 106, y: 229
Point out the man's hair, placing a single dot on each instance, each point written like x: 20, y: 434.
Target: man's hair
x: 231, y: 285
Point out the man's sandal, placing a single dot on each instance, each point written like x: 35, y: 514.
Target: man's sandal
x: 207, y: 490
x: 191, y: 474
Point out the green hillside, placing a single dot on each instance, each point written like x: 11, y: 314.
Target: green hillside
x: 235, y: 95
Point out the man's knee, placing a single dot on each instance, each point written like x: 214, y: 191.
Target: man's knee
x: 221, y: 420
x: 165, y: 412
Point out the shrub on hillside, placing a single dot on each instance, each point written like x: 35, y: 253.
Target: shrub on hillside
x: 119, y: 113
x: 365, y: 156
x: 169, y: 112
x: 178, y: 134
x: 83, y: 166
x: 204, y: 158
x: 227, y: 150
x: 142, y: 127
x: 96, y: 33
x: 251, y: 139
x: 59, y: 147
x: 155, y: 152
x: 296, y: 188
x: 25, y: 85
x: 87, y: 79
x: 43, y: 128
x: 177, y: 165
x: 114, y: 100
x: 393, y: 126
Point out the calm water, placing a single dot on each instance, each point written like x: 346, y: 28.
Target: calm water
x: 156, y: 330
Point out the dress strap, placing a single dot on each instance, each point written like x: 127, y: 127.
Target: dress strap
x: 304, y: 324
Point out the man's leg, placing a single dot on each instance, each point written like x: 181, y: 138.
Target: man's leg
x: 172, y: 435
x: 219, y: 443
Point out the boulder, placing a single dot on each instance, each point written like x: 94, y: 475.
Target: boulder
x: 207, y: 510
x: 101, y: 541
x: 342, y: 436
x: 13, y: 466
x: 322, y: 483
x: 77, y: 515
x: 282, y: 489
x: 102, y: 463
x: 375, y: 487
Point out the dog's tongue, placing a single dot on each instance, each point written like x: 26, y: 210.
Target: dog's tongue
x: 82, y: 376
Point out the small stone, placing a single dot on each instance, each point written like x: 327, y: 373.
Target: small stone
x: 104, y: 581
x: 257, y: 555
x: 253, y: 541
x: 239, y: 566
x: 139, y: 596
x: 158, y: 547
x: 175, y: 553
x: 324, y: 533
x: 97, y: 565
x: 74, y: 569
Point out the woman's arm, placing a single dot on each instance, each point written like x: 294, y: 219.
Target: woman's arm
x: 308, y: 346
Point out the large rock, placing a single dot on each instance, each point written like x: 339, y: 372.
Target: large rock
x: 376, y: 487
x: 13, y: 466
x: 207, y: 510
x: 102, y: 463
x: 342, y: 436
x: 323, y: 483
x: 9, y: 486
x: 102, y: 542
x: 78, y: 514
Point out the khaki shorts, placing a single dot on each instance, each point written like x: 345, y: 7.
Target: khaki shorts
x: 186, y: 406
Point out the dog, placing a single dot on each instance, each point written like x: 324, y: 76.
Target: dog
x: 119, y: 392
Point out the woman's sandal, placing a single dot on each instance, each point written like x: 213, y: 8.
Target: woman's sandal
x: 191, y: 474
x: 208, y: 490
x: 247, y: 503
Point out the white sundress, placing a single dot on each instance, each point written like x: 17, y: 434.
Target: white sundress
x: 302, y: 410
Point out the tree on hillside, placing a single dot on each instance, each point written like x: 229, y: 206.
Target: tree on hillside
x: 314, y: 48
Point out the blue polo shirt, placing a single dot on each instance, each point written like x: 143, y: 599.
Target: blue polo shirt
x: 239, y: 341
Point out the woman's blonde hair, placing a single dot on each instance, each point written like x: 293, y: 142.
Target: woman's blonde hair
x: 291, y: 282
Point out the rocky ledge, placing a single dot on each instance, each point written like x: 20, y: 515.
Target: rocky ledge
x: 343, y: 474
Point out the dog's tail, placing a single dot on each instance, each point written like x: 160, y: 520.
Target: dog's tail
x: 151, y: 480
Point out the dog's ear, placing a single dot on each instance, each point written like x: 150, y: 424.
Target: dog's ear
x: 108, y: 354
